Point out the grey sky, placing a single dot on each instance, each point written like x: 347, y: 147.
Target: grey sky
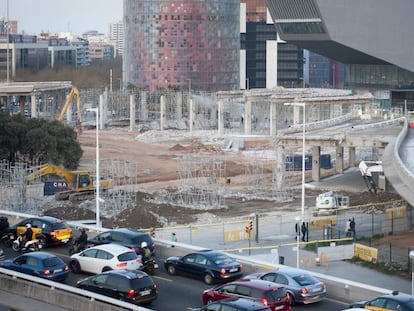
x: 76, y: 16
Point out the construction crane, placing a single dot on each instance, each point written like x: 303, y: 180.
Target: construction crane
x: 69, y: 98
x: 81, y: 183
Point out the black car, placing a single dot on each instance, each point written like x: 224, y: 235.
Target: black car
x: 132, y: 286
x: 55, y: 230
x: 393, y: 301
x: 130, y: 238
x: 209, y: 265
x: 234, y: 304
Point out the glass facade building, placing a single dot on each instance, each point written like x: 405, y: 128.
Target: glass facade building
x: 182, y: 43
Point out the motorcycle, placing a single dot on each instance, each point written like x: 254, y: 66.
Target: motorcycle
x: 29, y: 246
x: 7, y: 239
x: 76, y: 247
x: 149, y: 266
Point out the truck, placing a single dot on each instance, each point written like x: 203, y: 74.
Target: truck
x: 330, y: 201
x: 81, y: 183
x: 372, y: 172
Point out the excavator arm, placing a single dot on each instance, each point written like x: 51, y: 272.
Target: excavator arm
x: 47, y: 169
x: 73, y: 92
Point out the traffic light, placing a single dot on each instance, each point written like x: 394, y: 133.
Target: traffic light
x: 152, y: 232
x: 249, y: 226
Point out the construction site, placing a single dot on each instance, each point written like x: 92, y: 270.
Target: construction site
x: 196, y: 151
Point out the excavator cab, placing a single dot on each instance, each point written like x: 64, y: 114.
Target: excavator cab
x: 83, y: 181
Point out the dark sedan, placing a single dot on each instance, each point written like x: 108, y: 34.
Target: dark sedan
x: 133, y: 286
x: 209, y: 265
x: 41, y: 264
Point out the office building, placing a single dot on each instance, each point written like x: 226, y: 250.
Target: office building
x: 177, y: 44
x: 116, y: 37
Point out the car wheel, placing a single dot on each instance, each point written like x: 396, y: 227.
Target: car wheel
x: 171, y: 270
x: 208, y: 279
x: 106, y: 269
x: 291, y: 299
x: 74, y: 266
x: 43, y: 242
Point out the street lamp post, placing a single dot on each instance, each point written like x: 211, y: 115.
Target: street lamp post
x: 97, y: 182
x: 303, y: 175
x: 411, y: 254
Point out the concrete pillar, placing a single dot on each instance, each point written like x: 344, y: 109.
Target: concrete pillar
x: 220, y: 117
x: 33, y: 106
x: 144, y: 108
x: 101, y: 110
x: 340, y: 160
x: 280, y: 162
x: 352, y: 157
x: 296, y: 115
x: 162, y: 113
x: 22, y: 104
x: 248, y: 117
x: 179, y: 107
x: 316, y: 165
x: 131, y: 112
x: 192, y: 115
x: 273, y: 119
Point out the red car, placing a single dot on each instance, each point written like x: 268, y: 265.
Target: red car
x: 268, y: 293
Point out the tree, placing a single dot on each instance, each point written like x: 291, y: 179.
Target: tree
x: 38, y: 141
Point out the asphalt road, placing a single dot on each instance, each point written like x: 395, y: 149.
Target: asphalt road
x: 177, y: 293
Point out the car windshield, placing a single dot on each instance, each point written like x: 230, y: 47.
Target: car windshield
x: 51, y: 261
x: 127, y: 256
x: 305, y: 279
x: 222, y: 259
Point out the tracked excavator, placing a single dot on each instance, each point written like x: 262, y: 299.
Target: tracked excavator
x: 74, y: 92
x: 81, y: 183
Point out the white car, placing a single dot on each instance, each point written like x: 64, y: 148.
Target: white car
x: 105, y: 257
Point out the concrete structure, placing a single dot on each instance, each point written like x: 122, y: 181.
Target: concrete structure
x: 182, y: 43
x: 353, y: 33
x: 116, y: 36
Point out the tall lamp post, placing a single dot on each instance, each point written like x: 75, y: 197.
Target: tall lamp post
x: 411, y: 254
x: 98, y: 179
x: 303, y: 175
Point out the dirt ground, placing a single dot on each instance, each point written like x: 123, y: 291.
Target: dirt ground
x: 158, y: 165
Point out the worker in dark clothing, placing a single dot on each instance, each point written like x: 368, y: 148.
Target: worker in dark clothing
x: 304, y: 230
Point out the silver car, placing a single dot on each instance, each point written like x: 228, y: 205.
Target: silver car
x: 300, y: 285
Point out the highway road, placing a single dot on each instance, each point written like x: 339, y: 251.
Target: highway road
x: 177, y: 293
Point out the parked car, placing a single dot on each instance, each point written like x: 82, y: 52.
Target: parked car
x: 268, y: 293
x: 234, y: 304
x: 300, y: 285
x: 132, y: 286
x: 103, y: 258
x: 124, y: 236
x: 41, y: 264
x: 209, y: 265
x: 55, y: 230
x: 394, y: 301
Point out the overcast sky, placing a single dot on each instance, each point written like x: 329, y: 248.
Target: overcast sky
x: 76, y: 16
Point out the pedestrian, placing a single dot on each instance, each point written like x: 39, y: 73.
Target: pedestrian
x: 352, y: 227
x: 174, y: 237
x: 304, y: 230
x: 348, y: 228
x: 297, y: 230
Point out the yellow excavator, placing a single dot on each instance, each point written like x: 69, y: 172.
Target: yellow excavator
x: 73, y: 92
x: 81, y: 183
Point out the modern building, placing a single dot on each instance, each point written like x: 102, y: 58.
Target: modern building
x: 373, y: 38
x: 175, y: 44
x: 116, y: 36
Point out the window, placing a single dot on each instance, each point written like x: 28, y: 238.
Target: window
x: 103, y: 255
x: 281, y: 279
x: 189, y: 258
x: 243, y: 290
x: 31, y: 261
x: 269, y: 277
x: 201, y: 260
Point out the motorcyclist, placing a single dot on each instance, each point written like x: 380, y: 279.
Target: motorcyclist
x: 145, y: 252
x: 28, y: 234
x: 82, y: 240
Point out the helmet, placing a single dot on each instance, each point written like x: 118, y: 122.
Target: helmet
x: 28, y: 226
x: 144, y: 244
